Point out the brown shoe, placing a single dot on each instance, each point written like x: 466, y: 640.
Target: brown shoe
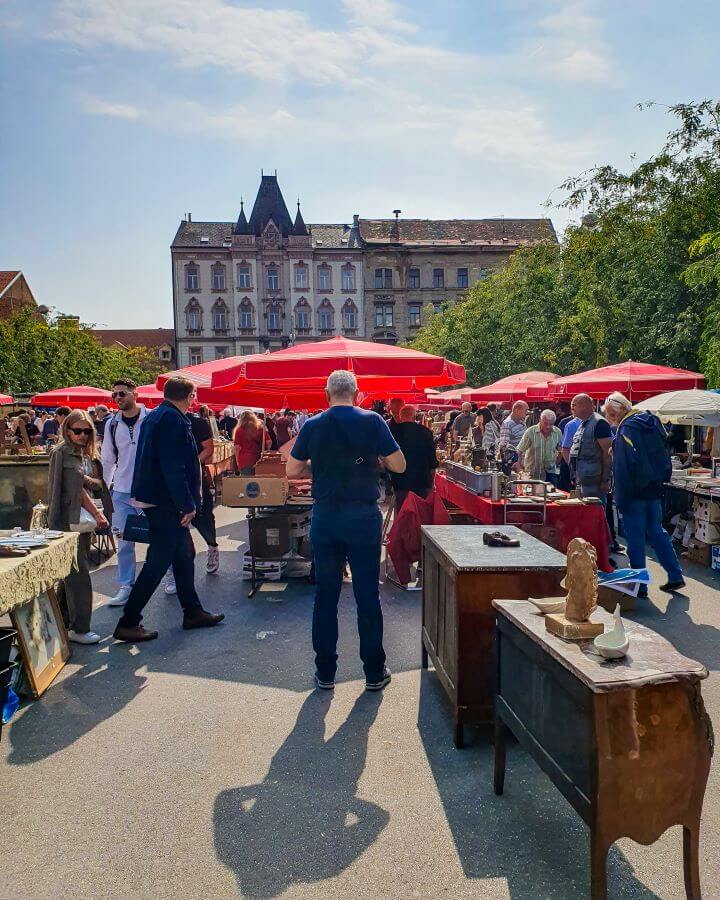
x: 133, y: 634
x: 202, y: 620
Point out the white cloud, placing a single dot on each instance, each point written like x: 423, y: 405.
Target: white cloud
x: 574, y: 48
x: 95, y: 106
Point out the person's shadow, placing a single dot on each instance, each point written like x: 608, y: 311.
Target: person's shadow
x: 304, y: 822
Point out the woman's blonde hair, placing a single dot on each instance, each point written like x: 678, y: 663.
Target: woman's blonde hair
x: 248, y: 422
x: 71, y: 421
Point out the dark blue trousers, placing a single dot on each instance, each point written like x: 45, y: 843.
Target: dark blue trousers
x: 352, y: 532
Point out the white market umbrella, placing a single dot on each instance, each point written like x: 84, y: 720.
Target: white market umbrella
x: 693, y: 407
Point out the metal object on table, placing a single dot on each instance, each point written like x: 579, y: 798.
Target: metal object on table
x: 479, y: 483
x: 531, y: 490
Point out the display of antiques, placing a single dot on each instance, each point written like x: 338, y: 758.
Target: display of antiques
x: 271, y: 463
x: 627, y: 741
x: 581, y: 583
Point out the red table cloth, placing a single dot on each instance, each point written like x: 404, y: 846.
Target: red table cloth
x: 569, y: 522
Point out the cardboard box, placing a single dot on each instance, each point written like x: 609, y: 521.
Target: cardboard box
x: 248, y: 490
x: 699, y: 552
x: 706, y: 510
x: 707, y: 532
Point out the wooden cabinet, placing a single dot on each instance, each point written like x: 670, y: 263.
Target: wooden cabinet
x: 627, y: 742
x: 461, y: 578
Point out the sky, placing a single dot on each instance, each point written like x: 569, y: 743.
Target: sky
x: 119, y: 116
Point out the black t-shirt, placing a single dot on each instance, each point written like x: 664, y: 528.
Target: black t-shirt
x: 201, y: 430
x: 227, y: 424
x: 418, y: 446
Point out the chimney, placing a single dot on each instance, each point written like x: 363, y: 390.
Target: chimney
x: 395, y: 230
x: 189, y: 217
x: 356, y: 220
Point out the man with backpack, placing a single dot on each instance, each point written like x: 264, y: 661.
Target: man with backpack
x: 122, y: 434
x: 641, y: 467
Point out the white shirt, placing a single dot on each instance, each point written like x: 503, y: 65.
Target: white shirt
x: 120, y: 474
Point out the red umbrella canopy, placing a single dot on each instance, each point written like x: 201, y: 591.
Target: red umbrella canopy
x: 202, y: 374
x: 149, y: 395
x: 508, y: 389
x: 637, y: 381
x: 6, y: 400
x: 80, y: 397
x: 378, y: 367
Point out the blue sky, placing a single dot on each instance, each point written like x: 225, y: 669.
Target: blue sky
x: 121, y: 115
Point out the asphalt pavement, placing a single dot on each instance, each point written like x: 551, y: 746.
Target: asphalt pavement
x: 204, y: 765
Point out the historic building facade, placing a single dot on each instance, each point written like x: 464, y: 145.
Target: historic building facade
x: 264, y: 282
x: 414, y: 267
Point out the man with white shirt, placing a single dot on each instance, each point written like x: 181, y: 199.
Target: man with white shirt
x: 122, y: 434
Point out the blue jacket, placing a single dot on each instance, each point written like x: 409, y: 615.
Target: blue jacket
x: 167, y: 471
x: 641, y: 460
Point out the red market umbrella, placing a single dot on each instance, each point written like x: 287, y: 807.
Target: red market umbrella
x: 508, y: 389
x: 378, y: 367
x: 80, y: 397
x: 6, y: 400
x: 203, y: 373
x: 638, y: 381
x: 149, y: 395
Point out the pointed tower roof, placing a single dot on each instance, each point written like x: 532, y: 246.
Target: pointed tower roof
x: 241, y: 226
x: 299, y: 229
x: 269, y: 204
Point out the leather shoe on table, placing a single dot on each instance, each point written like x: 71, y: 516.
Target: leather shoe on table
x: 133, y: 634
x: 202, y: 620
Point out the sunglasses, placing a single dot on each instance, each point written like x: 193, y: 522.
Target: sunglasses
x: 87, y: 431
x: 120, y: 394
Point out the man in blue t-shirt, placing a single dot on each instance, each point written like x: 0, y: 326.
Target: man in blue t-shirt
x: 345, y: 448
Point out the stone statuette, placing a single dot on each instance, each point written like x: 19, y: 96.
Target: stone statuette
x: 581, y: 584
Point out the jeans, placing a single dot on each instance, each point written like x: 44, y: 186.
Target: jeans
x: 352, y: 532
x: 642, y: 521
x: 204, y: 520
x: 552, y: 478
x: 126, y: 549
x: 170, y: 543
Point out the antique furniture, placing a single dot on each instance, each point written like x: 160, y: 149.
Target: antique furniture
x: 626, y: 741
x: 461, y: 578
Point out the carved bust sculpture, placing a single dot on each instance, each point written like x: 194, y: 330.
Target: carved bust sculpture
x: 581, y: 580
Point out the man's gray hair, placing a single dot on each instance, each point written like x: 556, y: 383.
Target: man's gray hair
x: 618, y: 401
x: 341, y: 384
x: 548, y: 414
x: 520, y: 404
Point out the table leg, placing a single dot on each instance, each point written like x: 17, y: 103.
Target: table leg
x: 691, y: 868
x: 459, y: 739
x: 598, y: 865
x: 423, y: 655
x: 500, y: 745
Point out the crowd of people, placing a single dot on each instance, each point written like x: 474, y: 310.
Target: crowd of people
x: 147, y: 469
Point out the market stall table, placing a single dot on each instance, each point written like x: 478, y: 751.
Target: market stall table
x: 564, y: 522
x: 626, y: 741
x: 461, y: 578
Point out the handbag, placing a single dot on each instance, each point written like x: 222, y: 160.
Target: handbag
x: 137, y: 529
x: 86, y: 523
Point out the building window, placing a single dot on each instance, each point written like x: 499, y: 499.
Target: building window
x: 274, y: 319
x: 384, y: 316
x: 462, y: 278
x: 348, y: 278
x: 438, y: 278
x: 413, y: 279
x: 302, y: 317
x: 221, y: 353
x: 437, y: 307
x: 273, y: 279
x: 192, y: 277
x: 301, y: 276
x: 414, y: 315
x: 193, y: 316
x: 220, y: 317
x: 165, y: 354
x: 218, y: 277
x: 243, y: 276
x: 326, y: 318
x: 195, y: 356
x: 324, y: 282
x: 350, y: 316
x: 383, y: 278
x: 246, y: 350
x: 245, y: 315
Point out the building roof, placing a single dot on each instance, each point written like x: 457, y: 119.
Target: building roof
x: 190, y: 234
x: 135, y: 337
x: 457, y: 231
x: 6, y: 279
x: 269, y: 204
x: 334, y: 237
x: 241, y: 226
x: 299, y: 229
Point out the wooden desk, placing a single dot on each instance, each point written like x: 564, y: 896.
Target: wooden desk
x: 627, y: 742
x: 461, y: 578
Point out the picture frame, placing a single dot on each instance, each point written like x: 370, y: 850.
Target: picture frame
x: 42, y: 663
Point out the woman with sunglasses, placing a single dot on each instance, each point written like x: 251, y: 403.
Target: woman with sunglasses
x: 71, y: 475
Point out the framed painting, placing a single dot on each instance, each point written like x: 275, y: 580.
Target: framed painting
x: 44, y: 658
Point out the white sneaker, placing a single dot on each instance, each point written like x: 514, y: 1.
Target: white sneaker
x: 87, y: 637
x: 213, y: 561
x: 120, y: 599
x: 170, y: 587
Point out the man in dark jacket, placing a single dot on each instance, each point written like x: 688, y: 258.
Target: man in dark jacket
x: 641, y: 467
x: 166, y: 484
